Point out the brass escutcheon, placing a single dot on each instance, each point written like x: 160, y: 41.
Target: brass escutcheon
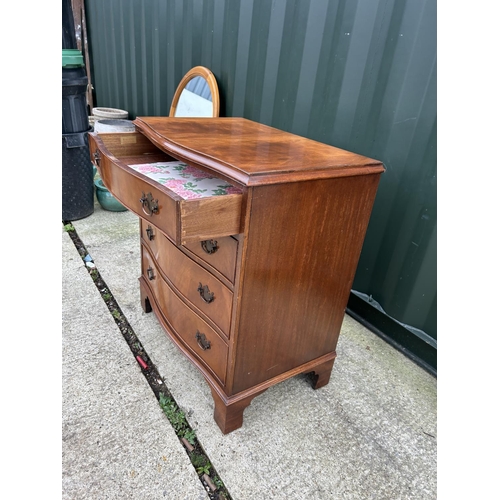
x: 97, y: 158
x: 205, y: 293
x: 209, y: 246
x: 202, y: 341
x: 150, y: 272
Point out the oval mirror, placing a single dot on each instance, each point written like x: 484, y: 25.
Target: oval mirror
x: 196, y: 95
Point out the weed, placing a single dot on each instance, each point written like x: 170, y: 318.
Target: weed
x: 177, y: 418
x: 106, y: 296
x: 116, y: 314
x: 201, y: 464
x: 190, y: 435
x: 69, y: 227
x: 203, y: 470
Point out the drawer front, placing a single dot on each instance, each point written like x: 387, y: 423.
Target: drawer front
x: 196, y: 284
x: 184, y: 220
x: 201, y: 340
x: 219, y: 253
x: 143, y: 199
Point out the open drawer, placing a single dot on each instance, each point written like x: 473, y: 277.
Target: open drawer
x: 187, y: 204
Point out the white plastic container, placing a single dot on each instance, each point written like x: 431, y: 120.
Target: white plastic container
x: 109, y: 126
x: 109, y: 114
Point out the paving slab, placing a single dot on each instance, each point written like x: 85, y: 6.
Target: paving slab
x: 369, y: 434
x: 116, y: 441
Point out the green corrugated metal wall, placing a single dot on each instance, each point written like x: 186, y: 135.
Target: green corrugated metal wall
x: 356, y: 74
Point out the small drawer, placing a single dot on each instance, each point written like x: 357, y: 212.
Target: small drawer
x: 184, y: 220
x: 196, y: 284
x: 219, y: 253
x: 195, y: 334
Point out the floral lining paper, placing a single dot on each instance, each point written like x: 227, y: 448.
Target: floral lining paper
x: 186, y: 181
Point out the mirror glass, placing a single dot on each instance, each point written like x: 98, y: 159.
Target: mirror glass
x: 195, y: 99
x: 197, y: 95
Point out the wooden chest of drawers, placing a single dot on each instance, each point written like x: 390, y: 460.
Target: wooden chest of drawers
x: 249, y: 277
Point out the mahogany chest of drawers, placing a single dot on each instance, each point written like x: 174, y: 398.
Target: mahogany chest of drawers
x: 250, y: 238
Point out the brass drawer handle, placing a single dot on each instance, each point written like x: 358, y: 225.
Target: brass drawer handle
x: 209, y: 246
x: 150, y: 233
x: 150, y: 272
x: 202, y: 341
x: 97, y: 158
x: 205, y: 293
x: 149, y: 205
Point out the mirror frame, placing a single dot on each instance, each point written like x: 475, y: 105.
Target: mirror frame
x: 212, y: 83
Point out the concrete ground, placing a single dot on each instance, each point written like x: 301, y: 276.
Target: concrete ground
x: 369, y: 434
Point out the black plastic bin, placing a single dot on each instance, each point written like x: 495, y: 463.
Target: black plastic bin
x: 74, y: 93
x: 77, y: 177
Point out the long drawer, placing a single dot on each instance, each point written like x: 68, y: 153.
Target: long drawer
x: 202, y: 289
x: 184, y: 220
x: 194, y: 333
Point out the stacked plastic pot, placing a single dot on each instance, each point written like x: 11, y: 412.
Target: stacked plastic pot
x: 77, y: 171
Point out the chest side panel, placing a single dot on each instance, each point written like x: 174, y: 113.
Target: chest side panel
x: 304, y: 242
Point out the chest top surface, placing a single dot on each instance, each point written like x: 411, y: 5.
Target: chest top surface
x: 252, y: 153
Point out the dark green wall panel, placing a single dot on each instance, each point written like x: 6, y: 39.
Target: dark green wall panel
x: 356, y: 74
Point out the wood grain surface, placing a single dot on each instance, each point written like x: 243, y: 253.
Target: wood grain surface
x: 251, y: 153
